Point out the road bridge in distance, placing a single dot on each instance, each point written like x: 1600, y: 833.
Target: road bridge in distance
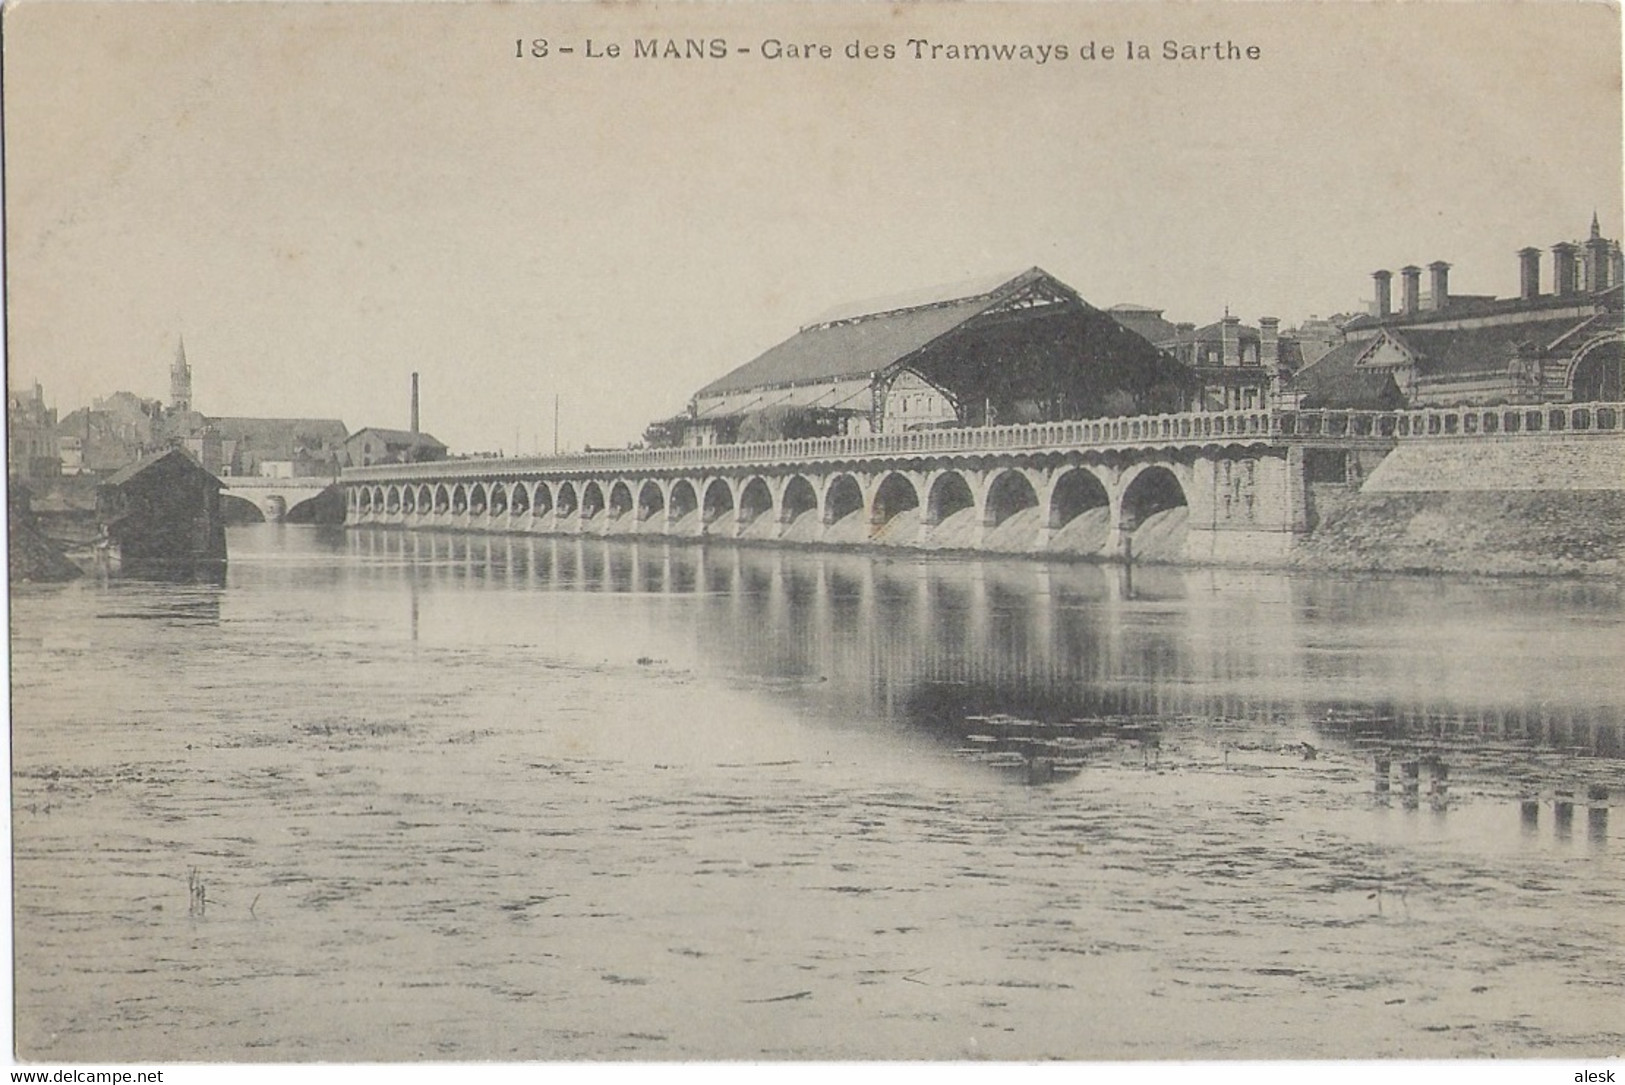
x: 276, y: 497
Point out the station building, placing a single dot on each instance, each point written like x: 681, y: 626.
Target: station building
x: 1023, y: 348
x: 1561, y: 345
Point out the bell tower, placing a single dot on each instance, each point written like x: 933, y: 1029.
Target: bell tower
x: 180, y: 380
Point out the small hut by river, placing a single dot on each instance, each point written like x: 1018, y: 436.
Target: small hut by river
x: 160, y: 516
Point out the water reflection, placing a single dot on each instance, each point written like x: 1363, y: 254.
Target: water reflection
x: 540, y: 788
x: 188, y: 602
x: 1415, y: 669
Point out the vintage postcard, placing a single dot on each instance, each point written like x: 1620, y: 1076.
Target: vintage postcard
x: 687, y: 532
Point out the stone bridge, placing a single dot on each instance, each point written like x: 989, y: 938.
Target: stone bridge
x: 1217, y: 486
x: 275, y: 497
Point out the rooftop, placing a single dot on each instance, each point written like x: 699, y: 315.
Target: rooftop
x: 866, y: 342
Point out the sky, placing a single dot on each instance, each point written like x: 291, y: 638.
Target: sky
x: 325, y: 198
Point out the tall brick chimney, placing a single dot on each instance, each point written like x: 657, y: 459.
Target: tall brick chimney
x: 1439, y: 276
x: 414, y: 402
x: 1529, y: 273
x: 1564, y: 279
x: 1410, y: 291
x: 1385, y: 296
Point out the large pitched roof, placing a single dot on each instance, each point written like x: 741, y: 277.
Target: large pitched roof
x: 151, y: 460
x: 1335, y: 380
x: 280, y: 432
x: 1466, y: 306
x: 862, y: 344
x: 1479, y: 350
x: 839, y: 395
x: 403, y: 437
x: 1144, y: 321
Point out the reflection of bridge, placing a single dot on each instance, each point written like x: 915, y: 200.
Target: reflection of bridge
x: 1210, y: 486
x: 275, y: 497
x: 932, y: 641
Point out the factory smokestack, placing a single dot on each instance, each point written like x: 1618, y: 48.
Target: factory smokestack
x: 414, y: 402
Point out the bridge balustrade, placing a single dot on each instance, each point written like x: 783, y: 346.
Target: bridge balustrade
x: 1085, y: 433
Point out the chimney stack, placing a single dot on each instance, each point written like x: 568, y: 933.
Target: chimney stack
x: 1410, y: 292
x: 1269, y: 341
x: 1385, y: 300
x: 1563, y: 269
x: 414, y: 403
x: 1230, y: 340
x: 1439, y: 273
x: 1529, y: 273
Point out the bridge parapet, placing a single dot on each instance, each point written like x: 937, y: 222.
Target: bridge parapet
x: 1135, y: 432
x: 1499, y: 421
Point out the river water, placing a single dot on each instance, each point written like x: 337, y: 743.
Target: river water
x: 387, y: 796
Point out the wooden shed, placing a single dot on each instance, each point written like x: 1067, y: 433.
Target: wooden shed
x: 160, y: 516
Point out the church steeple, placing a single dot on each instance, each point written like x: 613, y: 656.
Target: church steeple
x: 180, y: 379
x: 1596, y: 227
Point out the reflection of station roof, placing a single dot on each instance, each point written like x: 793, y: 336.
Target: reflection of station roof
x: 858, y: 342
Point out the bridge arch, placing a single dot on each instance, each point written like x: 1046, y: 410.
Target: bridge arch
x: 651, y: 501
x: 442, y: 498
x: 1009, y: 492
x: 240, y: 510
x: 592, y: 500
x: 392, y: 500
x: 521, y: 499
x: 1147, y: 519
x: 541, y: 499
x: 895, y: 494
x: 479, y: 499
x: 842, y: 497
x: 425, y: 501
x: 798, y: 498
x: 566, y: 499
x: 1152, y: 489
x: 682, y: 499
x: 1076, y: 491
x: 409, y: 499
x: 620, y: 499
x: 459, y: 499
x: 499, y: 499
x: 364, y: 501
x: 318, y: 508
x: 755, y: 499
x: 719, y: 499
x: 947, y: 494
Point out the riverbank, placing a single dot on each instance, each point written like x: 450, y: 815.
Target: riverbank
x: 32, y: 556
x: 1526, y: 533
